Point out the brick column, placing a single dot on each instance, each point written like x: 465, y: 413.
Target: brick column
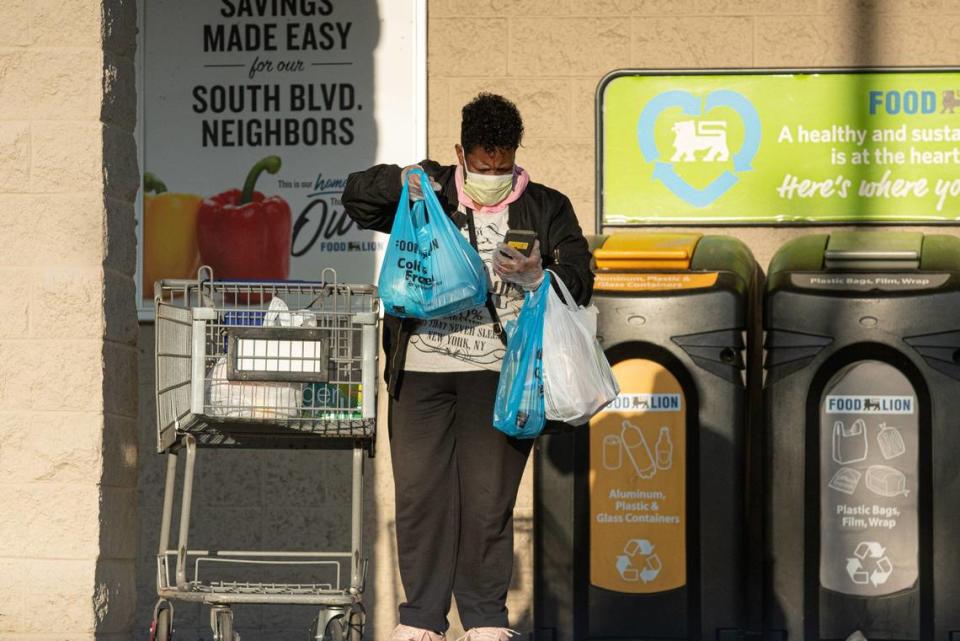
x: 68, y: 179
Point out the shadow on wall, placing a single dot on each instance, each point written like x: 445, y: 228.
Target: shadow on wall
x: 260, y: 499
x: 863, y: 22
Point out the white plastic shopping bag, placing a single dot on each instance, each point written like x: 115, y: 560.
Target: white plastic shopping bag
x: 261, y: 400
x: 577, y: 379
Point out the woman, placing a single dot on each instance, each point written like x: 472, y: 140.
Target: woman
x: 456, y: 475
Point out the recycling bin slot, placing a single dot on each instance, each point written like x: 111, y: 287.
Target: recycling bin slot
x: 640, y: 520
x: 860, y: 394
x: 876, y: 251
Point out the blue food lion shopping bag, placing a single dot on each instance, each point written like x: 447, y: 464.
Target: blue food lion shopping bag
x: 429, y: 268
x: 519, y: 410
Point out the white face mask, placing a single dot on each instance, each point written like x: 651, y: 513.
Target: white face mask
x: 484, y: 189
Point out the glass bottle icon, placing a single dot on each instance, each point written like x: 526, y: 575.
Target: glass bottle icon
x: 664, y: 449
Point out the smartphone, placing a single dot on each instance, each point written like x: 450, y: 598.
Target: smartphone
x: 520, y: 239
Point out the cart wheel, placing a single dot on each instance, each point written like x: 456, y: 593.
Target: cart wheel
x: 336, y: 629
x: 348, y: 626
x: 221, y: 620
x: 355, y: 619
x: 320, y: 626
x: 161, y: 628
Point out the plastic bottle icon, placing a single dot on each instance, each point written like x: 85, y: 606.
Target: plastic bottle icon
x: 638, y: 452
x: 664, y: 449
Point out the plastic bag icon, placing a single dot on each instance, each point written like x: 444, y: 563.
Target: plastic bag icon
x: 886, y: 481
x: 850, y: 443
x: 846, y: 480
x: 891, y: 442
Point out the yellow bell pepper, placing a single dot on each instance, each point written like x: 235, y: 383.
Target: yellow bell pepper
x: 170, y: 247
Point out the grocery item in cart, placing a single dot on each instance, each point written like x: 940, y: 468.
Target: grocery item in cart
x: 245, y: 399
x: 333, y: 401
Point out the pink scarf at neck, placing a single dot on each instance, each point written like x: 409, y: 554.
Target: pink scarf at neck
x: 520, y: 181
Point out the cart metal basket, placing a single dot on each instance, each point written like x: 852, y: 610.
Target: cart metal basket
x: 263, y: 365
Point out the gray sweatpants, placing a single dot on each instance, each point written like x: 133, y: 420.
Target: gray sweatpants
x: 456, y: 485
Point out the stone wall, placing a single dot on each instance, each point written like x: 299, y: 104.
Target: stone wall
x: 68, y: 330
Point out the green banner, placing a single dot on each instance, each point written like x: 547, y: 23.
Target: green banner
x: 835, y: 147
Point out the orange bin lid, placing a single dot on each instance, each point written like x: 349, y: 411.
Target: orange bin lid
x: 646, y: 251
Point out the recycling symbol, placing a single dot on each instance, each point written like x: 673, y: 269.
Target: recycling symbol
x: 869, y: 564
x: 638, y: 562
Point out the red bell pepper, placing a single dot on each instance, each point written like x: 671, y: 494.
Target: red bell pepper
x: 243, y: 235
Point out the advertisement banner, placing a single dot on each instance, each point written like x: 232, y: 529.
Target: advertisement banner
x: 254, y: 114
x: 780, y: 147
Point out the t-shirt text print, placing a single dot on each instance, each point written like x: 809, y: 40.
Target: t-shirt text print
x: 466, y: 341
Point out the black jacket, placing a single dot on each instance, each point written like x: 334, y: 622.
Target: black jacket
x: 371, y: 198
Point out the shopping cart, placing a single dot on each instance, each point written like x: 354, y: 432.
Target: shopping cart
x: 263, y: 365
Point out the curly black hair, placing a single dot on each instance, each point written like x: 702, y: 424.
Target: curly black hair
x: 492, y: 122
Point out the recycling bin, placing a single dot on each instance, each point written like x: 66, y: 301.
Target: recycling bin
x: 639, y: 521
x: 862, y: 447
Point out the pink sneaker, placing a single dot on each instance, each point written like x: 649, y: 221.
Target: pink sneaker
x: 407, y: 633
x: 489, y: 634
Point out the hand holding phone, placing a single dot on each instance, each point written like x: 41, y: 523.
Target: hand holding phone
x: 517, y: 259
x: 520, y: 239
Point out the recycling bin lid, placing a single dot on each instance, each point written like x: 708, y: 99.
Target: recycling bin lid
x: 868, y: 251
x: 634, y: 262
x: 645, y: 252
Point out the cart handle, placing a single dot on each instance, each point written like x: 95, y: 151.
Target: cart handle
x: 205, y: 274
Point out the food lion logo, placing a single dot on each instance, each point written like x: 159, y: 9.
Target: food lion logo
x: 694, y: 135
x: 842, y: 404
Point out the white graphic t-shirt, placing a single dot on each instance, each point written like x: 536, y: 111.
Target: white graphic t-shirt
x: 466, y: 341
